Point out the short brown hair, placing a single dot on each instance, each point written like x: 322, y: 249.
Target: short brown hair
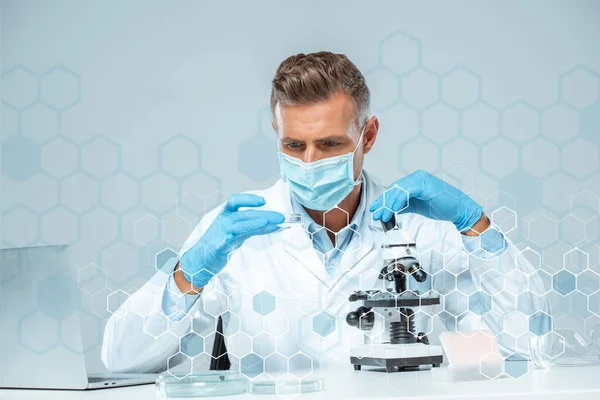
x: 315, y: 77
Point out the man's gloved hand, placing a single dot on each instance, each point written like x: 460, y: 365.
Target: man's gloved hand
x: 428, y: 196
x: 227, y: 232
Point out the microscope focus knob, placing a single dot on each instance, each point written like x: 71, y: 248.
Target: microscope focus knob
x: 362, y: 318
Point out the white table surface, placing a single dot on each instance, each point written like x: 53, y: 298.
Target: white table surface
x: 554, y: 383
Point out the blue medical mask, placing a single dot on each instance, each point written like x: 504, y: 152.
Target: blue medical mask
x: 322, y: 184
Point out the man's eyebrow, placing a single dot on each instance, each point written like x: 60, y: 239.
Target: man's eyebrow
x: 338, y: 138
x: 289, y: 140
x: 332, y: 138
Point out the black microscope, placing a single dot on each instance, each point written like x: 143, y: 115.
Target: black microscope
x: 398, y: 346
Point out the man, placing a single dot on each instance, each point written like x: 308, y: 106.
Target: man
x: 282, y: 290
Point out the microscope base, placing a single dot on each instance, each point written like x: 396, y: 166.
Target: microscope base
x: 396, y: 357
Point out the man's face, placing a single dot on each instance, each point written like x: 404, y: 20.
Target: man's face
x: 322, y: 130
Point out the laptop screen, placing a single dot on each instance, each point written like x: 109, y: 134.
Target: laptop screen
x: 41, y: 344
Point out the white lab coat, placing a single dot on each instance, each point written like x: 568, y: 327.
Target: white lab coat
x: 139, y: 338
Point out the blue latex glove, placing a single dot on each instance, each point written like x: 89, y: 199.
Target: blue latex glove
x: 428, y: 196
x: 228, y: 232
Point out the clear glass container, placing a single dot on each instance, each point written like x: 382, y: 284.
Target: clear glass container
x: 201, y: 384
x: 566, y: 348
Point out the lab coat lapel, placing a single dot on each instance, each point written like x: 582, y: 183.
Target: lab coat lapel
x: 361, y: 245
x: 296, y: 242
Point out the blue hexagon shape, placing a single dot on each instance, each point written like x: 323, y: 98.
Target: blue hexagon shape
x: 60, y: 88
x: 56, y: 296
x: 252, y: 365
x: 300, y: 365
x: 412, y: 158
x: 525, y: 304
x: 79, y: 192
x: 103, y: 223
x: 27, y: 223
x: 323, y: 324
x: 192, y: 344
x: 21, y: 158
x: 19, y: 87
x: 147, y: 230
x: 516, y: 365
x: 92, y: 279
x: 564, y: 282
x: 100, y: 156
x: 480, y: 122
x: 60, y: 157
x: 588, y: 282
x: 39, y: 123
x: 460, y: 87
x: 480, y: 303
x: 440, y: 123
x: 257, y: 158
x: 159, y: 192
x: 500, y: 157
x: 162, y: 258
x: 540, y: 323
x: 579, y: 87
x: 263, y: 303
x: 554, y: 189
x: 420, y: 88
x: 119, y: 192
x: 400, y: 52
x: 580, y: 158
x: 121, y: 261
x: 460, y: 152
x: 526, y: 188
x: 458, y: 300
x: 179, y: 156
x: 531, y: 158
x: 520, y: 121
x: 560, y: 123
x: 59, y: 226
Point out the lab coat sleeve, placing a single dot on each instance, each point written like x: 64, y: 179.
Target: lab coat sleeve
x: 140, y: 337
x: 506, y: 285
x: 174, y: 303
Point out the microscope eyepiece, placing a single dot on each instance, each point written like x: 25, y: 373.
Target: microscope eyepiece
x: 417, y: 272
x: 391, y: 224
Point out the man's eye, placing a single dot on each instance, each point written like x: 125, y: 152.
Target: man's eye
x: 331, y: 144
x: 294, y: 146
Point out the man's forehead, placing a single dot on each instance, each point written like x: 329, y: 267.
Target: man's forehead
x: 302, y: 122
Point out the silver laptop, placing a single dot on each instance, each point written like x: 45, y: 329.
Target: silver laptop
x: 40, y: 337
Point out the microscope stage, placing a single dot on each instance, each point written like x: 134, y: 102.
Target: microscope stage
x: 396, y: 357
x: 386, y: 350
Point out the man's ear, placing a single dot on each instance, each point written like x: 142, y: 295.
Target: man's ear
x: 371, y: 134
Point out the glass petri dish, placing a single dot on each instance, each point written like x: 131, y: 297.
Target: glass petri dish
x: 286, y: 386
x: 201, y: 384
